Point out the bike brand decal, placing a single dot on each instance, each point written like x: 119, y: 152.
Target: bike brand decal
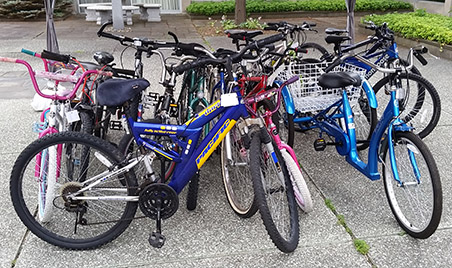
x: 379, y: 64
x: 158, y: 131
x: 205, y: 112
x: 169, y: 130
x: 213, y: 143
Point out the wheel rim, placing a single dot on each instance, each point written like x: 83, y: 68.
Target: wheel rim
x: 413, y: 204
x: 236, y: 176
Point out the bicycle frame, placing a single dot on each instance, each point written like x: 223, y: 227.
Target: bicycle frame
x: 389, y: 121
x: 192, y: 158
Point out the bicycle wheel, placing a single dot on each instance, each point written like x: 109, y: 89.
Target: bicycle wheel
x: 85, y: 124
x: 421, y: 105
x: 237, y: 181
x: 193, y: 185
x: 274, y: 192
x: 72, y: 224
x: 365, y: 119
x: 314, y: 51
x: 417, y: 202
x: 300, y: 188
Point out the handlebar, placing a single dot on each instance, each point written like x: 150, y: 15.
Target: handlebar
x: 249, y: 100
x: 284, y: 26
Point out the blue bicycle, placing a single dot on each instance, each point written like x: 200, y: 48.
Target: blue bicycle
x: 410, y: 175
x: 100, y: 201
x: 420, y: 106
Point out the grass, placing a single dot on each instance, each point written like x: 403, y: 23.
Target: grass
x: 360, y: 245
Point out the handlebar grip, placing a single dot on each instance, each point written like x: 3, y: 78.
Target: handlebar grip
x: 6, y: 59
x: 101, y: 30
x: 105, y: 73
x: 419, y: 57
x: 185, y: 67
x: 271, y: 28
x: 292, y: 80
x: 55, y: 56
x: 310, y: 24
x: 29, y: 52
x: 266, y: 41
x: 370, y: 27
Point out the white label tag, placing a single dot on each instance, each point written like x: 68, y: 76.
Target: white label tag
x: 72, y: 116
x: 229, y: 99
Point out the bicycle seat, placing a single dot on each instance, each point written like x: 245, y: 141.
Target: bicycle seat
x: 103, y: 58
x: 115, y: 92
x: 339, y: 80
x: 336, y: 39
x: 335, y: 31
x: 242, y: 34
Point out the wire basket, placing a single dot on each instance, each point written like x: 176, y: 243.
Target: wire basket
x: 307, y: 95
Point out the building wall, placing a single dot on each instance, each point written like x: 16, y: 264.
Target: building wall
x: 432, y: 6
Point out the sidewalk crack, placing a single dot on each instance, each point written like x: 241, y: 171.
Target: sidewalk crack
x: 358, y: 243
x: 19, y: 250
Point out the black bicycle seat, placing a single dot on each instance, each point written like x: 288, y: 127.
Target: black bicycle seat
x: 242, y: 34
x: 336, y: 39
x: 335, y: 31
x: 115, y: 92
x: 339, y: 80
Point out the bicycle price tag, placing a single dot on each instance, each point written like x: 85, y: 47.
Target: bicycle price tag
x: 229, y: 99
x: 72, y: 116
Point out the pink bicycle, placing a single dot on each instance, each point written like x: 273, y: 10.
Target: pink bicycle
x: 60, y: 116
x: 235, y: 152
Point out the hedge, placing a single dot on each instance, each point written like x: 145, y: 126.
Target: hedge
x: 261, y: 6
x: 417, y: 25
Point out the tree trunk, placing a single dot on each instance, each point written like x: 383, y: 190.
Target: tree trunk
x: 240, y: 11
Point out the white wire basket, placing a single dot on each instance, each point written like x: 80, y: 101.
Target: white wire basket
x: 307, y: 95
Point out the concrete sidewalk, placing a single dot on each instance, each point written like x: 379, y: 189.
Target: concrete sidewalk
x: 212, y: 235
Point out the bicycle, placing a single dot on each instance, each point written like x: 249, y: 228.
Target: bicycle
x: 408, y: 165
x: 421, y: 105
x: 59, y: 117
x: 109, y: 179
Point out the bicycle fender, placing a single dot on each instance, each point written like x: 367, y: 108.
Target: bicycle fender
x: 370, y: 94
x: 288, y: 100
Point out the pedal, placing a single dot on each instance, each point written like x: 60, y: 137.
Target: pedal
x: 319, y: 144
x: 115, y: 125
x: 156, y: 240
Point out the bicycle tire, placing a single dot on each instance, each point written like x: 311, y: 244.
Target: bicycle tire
x: 313, y: 49
x: 426, y: 106
x: 430, y: 185
x: 365, y: 119
x: 238, y: 184
x: 264, y: 152
x: 300, y: 188
x: 85, y: 124
x: 192, y: 193
x: 92, y: 229
x: 193, y: 185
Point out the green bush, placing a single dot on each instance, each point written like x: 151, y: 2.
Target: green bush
x: 261, y: 6
x: 32, y: 9
x: 417, y: 25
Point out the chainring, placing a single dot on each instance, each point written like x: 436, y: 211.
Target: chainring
x: 158, y: 196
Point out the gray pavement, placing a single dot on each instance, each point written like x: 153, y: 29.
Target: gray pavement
x: 212, y: 235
